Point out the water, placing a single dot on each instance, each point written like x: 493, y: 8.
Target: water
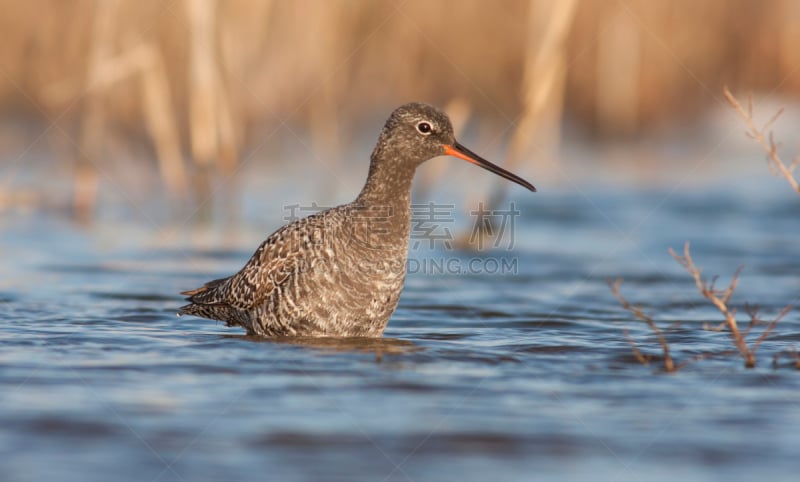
x: 481, y: 376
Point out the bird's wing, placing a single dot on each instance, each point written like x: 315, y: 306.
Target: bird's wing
x: 277, y: 259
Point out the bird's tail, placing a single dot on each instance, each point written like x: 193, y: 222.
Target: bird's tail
x: 215, y: 311
x: 205, y: 293
x: 206, y: 302
x: 192, y: 309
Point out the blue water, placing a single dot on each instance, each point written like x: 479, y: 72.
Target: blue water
x: 481, y: 376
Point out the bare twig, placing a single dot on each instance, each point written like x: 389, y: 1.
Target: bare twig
x: 765, y: 138
x: 637, y: 353
x: 669, y: 365
x: 720, y: 299
x: 771, y: 327
x: 752, y: 311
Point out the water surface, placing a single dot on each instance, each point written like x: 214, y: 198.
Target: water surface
x: 516, y: 376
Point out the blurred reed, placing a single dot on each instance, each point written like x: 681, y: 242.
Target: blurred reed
x: 200, y: 80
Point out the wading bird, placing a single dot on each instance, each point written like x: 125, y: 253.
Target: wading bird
x: 340, y: 272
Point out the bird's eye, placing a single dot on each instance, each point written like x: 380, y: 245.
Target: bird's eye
x: 424, y: 128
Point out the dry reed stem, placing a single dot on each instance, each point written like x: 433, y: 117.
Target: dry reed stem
x: 620, y: 59
x: 93, y: 118
x: 162, y: 124
x: 145, y: 61
x: 721, y: 298
x: 211, y: 125
x: 669, y: 365
x: 544, y: 78
x: 263, y: 50
x: 202, y: 91
x: 542, y: 91
x: 47, y: 41
x: 764, y: 136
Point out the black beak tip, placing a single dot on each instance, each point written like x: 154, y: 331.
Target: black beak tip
x: 458, y: 150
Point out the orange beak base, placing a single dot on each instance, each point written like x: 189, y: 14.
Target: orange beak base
x: 461, y: 152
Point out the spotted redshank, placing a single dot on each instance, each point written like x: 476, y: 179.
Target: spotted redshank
x: 340, y: 272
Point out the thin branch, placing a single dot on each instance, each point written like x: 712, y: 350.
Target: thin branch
x: 720, y: 300
x: 637, y: 353
x: 752, y: 311
x: 726, y: 295
x: 669, y: 365
x: 765, y: 138
x: 772, y: 120
x: 771, y: 327
x: 713, y: 296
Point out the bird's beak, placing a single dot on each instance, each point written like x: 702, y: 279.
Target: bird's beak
x: 461, y: 152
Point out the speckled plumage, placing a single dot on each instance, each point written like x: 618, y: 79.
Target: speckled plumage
x: 339, y: 272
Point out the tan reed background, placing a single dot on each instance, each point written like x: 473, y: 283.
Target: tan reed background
x: 198, y: 80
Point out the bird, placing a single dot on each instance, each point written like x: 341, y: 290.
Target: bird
x: 339, y: 272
